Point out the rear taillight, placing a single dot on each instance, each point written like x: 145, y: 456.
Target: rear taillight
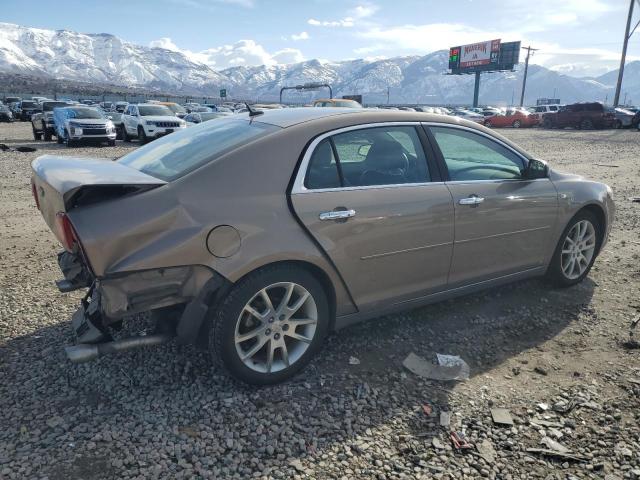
x: 65, y: 231
x: 34, y: 191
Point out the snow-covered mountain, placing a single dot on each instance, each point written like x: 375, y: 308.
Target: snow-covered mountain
x: 106, y: 59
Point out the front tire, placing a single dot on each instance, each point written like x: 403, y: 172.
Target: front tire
x: 47, y: 134
x: 125, y: 134
x: 142, y: 137
x: 36, y: 135
x: 586, y: 124
x: 516, y: 124
x: 270, y: 325
x: 576, y: 251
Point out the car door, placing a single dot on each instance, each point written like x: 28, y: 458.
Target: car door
x: 372, y: 198
x: 503, y: 222
x: 131, y: 119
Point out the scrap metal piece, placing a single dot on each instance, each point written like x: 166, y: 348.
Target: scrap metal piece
x: 450, y: 368
x: 501, y: 416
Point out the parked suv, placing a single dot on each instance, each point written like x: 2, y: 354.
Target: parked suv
x: 147, y: 121
x: 78, y: 123
x: 42, y: 120
x: 26, y: 108
x: 579, y: 115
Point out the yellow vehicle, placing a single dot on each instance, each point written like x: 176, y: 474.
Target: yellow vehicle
x: 336, y: 102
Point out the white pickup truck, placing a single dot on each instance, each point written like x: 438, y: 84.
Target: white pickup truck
x: 147, y: 121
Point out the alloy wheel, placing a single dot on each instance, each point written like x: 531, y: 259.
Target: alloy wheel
x: 578, y: 249
x: 276, y: 327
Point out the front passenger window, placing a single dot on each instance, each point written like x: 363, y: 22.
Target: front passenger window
x: 471, y: 156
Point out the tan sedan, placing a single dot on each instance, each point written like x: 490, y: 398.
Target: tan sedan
x: 254, y: 236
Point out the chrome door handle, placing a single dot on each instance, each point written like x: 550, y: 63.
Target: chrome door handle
x: 472, y: 200
x: 337, y: 214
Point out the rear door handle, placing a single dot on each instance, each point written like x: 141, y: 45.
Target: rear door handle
x: 472, y: 200
x: 337, y: 214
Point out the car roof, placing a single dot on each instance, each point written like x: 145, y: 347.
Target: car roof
x: 288, y: 117
x: 342, y: 117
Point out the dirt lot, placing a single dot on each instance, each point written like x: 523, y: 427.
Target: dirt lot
x: 554, y: 358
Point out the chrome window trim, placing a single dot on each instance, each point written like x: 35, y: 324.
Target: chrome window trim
x: 524, y: 159
x: 298, y: 184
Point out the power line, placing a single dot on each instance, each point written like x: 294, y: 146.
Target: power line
x: 529, y: 49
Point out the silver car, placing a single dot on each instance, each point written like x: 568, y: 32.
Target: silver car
x: 254, y: 236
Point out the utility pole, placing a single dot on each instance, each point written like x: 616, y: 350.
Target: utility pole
x: 627, y: 35
x: 476, y: 90
x: 526, y: 69
x: 387, y: 95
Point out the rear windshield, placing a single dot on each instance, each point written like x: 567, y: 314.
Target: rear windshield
x: 26, y: 104
x: 153, y: 110
x: 179, y: 153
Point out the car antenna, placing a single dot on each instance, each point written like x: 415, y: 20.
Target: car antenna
x: 252, y: 112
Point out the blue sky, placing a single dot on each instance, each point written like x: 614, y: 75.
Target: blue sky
x: 578, y: 37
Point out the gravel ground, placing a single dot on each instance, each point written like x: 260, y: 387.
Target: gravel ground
x: 554, y: 358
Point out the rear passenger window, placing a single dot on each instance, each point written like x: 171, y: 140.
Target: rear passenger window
x: 368, y: 157
x: 381, y: 156
x: 323, y: 169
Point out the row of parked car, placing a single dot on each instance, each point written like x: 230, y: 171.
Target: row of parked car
x: 71, y: 122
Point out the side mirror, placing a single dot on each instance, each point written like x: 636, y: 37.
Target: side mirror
x: 536, y: 169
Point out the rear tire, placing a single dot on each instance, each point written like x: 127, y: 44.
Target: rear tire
x: 556, y: 274
x: 119, y: 133
x: 516, y: 124
x: 547, y: 122
x: 47, y: 134
x: 243, y: 312
x: 618, y: 124
x: 487, y: 123
x: 59, y: 139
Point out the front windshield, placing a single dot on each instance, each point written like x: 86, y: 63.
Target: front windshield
x: 175, y: 108
x: 48, y: 106
x: 84, y: 113
x: 154, y: 110
x: 179, y: 153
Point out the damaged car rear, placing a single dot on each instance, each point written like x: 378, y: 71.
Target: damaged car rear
x: 255, y: 236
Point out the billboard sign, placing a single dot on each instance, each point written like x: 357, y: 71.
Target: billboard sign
x: 487, y: 56
x: 483, y: 53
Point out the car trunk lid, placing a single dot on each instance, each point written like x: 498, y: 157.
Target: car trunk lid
x: 61, y: 184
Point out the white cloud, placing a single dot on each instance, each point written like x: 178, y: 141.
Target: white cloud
x: 364, y: 11
x: 165, y: 43
x: 345, y: 22
x: 428, y: 37
x: 288, y: 55
x: 300, y: 36
x: 243, y: 52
